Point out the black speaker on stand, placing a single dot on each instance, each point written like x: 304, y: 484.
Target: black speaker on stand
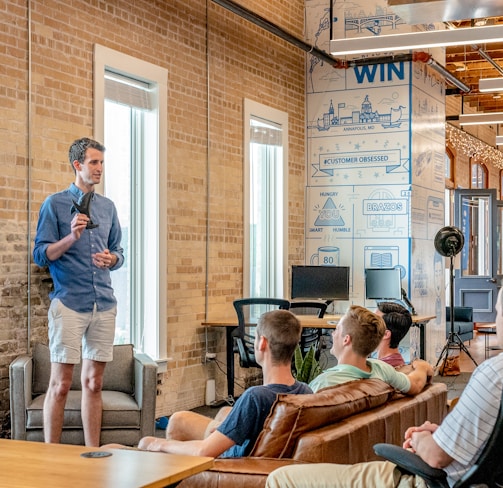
x: 448, y: 242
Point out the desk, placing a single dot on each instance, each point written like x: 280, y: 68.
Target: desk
x: 327, y: 322
x: 26, y: 464
x: 421, y: 321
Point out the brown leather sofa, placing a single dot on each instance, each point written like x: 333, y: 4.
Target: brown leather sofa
x: 336, y: 425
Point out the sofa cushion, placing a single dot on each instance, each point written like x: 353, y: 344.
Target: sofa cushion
x: 291, y: 415
x: 119, y: 410
x: 119, y: 373
x: 461, y: 327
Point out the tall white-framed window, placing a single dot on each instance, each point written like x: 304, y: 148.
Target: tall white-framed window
x: 265, y: 263
x: 130, y: 117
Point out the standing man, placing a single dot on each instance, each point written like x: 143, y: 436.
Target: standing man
x: 79, y: 239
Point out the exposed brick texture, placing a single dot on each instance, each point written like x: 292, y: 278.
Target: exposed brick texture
x: 203, y: 46
x: 243, y: 62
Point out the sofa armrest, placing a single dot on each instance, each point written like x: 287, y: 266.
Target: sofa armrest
x: 145, y: 384
x: 20, y: 378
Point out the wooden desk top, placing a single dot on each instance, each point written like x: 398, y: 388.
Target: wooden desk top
x: 327, y: 322
x: 26, y: 464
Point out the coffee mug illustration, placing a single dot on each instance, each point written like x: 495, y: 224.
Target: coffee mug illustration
x: 326, y: 256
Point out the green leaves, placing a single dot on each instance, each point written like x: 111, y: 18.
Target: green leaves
x: 306, y: 368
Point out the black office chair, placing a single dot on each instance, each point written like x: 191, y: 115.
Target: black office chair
x: 487, y: 470
x: 310, y: 336
x: 248, y: 311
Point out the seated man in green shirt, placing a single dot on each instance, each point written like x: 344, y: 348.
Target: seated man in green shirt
x: 357, y: 335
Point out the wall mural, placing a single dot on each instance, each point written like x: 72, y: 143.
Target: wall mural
x: 375, y: 155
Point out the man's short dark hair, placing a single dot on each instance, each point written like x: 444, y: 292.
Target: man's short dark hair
x: 398, y: 321
x: 282, y: 329
x: 77, y: 151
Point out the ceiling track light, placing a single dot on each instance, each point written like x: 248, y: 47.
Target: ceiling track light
x: 481, y: 118
x: 490, y: 85
x: 417, y: 40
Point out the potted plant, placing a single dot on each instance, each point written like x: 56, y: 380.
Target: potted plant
x: 305, y: 368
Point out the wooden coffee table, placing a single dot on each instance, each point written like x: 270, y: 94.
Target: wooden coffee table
x: 26, y: 464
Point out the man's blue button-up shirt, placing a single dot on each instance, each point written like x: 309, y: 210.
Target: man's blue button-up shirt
x: 78, y: 283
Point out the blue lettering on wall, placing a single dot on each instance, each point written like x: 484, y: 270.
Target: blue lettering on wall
x: 386, y: 72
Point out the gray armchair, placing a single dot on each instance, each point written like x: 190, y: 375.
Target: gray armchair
x: 129, y: 394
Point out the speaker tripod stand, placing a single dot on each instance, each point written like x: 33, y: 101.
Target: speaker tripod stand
x: 453, y: 339
x: 453, y: 342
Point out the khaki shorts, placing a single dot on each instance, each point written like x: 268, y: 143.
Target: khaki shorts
x: 375, y: 474
x: 69, y: 331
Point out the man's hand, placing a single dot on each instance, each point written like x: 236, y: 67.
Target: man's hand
x: 420, y: 376
x: 79, y: 223
x: 57, y: 249
x: 426, y: 427
x: 420, y: 440
x: 104, y: 259
x: 425, y: 366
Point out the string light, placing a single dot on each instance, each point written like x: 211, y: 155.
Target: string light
x: 470, y: 146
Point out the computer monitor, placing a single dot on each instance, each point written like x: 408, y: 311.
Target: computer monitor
x: 320, y: 282
x: 383, y: 284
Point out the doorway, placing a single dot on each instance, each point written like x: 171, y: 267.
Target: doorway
x: 478, y: 270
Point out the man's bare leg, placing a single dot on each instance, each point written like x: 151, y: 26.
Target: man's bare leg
x: 187, y: 426
x: 222, y: 414
x: 191, y: 426
x: 92, y: 404
x: 55, y: 399
x: 219, y: 418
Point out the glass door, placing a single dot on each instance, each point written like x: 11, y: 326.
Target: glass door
x: 478, y: 267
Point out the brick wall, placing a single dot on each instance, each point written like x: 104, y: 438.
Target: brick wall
x: 243, y: 62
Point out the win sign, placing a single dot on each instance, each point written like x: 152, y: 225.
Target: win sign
x: 384, y: 74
